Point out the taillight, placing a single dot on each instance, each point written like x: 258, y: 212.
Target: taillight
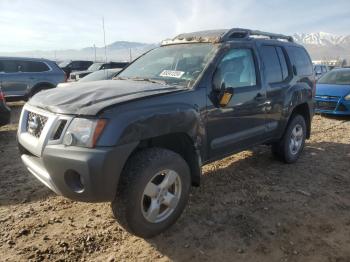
x: 2, y: 97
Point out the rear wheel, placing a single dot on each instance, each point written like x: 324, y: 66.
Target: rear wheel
x: 153, y: 192
x: 292, y: 143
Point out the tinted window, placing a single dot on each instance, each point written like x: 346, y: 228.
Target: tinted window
x: 237, y: 68
x: 301, y: 60
x: 271, y: 61
x: 283, y: 62
x: 8, y: 66
x: 32, y: 66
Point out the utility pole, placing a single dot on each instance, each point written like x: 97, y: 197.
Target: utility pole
x: 95, y: 52
x: 104, y: 37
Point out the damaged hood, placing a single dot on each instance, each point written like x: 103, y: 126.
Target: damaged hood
x: 91, y: 97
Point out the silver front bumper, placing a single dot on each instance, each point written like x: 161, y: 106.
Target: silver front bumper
x: 37, y: 168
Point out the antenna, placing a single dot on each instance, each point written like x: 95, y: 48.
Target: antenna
x: 95, y: 52
x: 104, y: 37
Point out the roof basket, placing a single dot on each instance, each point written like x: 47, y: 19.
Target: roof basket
x: 235, y: 33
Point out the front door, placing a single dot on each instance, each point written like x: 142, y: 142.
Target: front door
x: 241, y: 123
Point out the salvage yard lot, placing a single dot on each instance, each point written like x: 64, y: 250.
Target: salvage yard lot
x: 249, y: 207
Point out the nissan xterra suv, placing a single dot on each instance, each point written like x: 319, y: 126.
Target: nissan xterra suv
x: 140, y: 140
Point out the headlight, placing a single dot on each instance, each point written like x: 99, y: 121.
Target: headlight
x: 84, y: 132
x: 347, y: 97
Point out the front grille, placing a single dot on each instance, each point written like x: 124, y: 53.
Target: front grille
x: 326, y: 105
x: 35, y: 124
x: 59, y: 130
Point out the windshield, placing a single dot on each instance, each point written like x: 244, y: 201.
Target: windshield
x: 336, y: 77
x: 95, y: 67
x: 100, y: 75
x: 174, y: 64
x: 64, y: 63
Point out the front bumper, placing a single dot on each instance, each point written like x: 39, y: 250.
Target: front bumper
x: 82, y: 174
x: 332, y: 106
x: 78, y: 173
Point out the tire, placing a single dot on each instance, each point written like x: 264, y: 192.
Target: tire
x: 132, y: 205
x: 285, y: 149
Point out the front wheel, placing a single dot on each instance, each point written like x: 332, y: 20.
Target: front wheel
x: 153, y: 192
x: 292, y: 143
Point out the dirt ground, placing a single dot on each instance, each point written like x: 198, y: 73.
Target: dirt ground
x: 249, y: 207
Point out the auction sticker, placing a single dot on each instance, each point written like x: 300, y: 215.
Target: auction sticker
x: 171, y: 73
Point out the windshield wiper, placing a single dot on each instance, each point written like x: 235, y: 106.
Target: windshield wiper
x: 120, y: 78
x: 162, y: 82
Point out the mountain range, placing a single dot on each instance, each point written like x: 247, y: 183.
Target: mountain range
x: 325, y: 46
x: 321, y: 46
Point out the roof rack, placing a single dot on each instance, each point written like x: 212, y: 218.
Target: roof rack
x: 247, y: 33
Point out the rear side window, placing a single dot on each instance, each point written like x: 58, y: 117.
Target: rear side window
x: 301, y: 60
x: 276, y: 68
x: 32, y: 67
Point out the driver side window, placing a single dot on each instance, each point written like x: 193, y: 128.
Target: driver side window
x: 237, y: 69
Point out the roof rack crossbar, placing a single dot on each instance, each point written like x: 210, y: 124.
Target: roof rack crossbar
x: 246, y: 33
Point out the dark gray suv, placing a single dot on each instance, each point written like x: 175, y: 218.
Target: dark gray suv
x: 24, y: 77
x: 140, y: 140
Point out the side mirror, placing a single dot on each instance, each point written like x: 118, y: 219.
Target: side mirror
x: 221, y: 89
x: 225, y: 96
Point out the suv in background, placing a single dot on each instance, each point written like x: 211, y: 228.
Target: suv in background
x: 140, y: 140
x: 320, y: 70
x: 74, y: 65
x: 24, y: 77
x: 95, y: 67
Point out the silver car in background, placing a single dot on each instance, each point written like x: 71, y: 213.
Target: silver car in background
x: 22, y: 78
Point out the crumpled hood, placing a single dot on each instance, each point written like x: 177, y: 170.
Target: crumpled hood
x: 91, y: 97
x: 332, y: 90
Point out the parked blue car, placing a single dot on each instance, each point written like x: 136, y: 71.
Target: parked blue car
x: 333, y: 92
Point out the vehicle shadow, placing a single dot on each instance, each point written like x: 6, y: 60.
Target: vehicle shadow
x: 17, y: 185
x: 251, y: 207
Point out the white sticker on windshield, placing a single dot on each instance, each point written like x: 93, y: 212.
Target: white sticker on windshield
x: 172, y: 73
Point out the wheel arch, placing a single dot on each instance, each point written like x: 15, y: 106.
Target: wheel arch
x: 39, y: 85
x: 302, y: 109
x: 180, y: 143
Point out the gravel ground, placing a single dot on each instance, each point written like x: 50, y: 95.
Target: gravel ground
x: 249, y: 207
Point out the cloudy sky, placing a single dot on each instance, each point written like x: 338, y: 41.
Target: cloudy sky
x: 64, y: 24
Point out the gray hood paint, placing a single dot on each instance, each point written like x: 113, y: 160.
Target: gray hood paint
x: 91, y: 97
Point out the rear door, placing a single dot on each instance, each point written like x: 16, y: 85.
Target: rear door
x: 241, y: 123
x: 277, y: 75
